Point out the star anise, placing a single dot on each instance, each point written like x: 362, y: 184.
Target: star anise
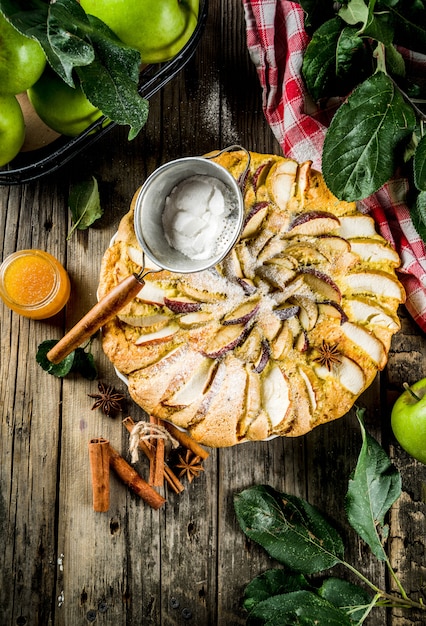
x: 108, y: 400
x: 190, y: 465
x: 329, y: 355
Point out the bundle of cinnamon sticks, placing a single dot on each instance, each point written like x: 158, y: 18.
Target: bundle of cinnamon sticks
x: 104, y: 457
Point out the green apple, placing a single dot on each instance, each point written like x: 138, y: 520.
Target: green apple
x: 408, y: 420
x: 63, y: 108
x: 22, y: 60
x: 12, y: 128
x: 157, y: 28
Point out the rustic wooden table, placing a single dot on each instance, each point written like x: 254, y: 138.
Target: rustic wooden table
x: 64, y: 564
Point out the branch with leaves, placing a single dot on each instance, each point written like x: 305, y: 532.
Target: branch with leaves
x: 356, y: 48
x: 299, y: 537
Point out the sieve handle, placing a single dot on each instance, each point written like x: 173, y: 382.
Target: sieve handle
x: 99, y: 315
x: 242, y: 178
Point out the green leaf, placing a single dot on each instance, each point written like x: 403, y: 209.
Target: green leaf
x: 379, y: 26
x: 395, y: 63
x: 299, y: 607
x: 84, y: 364
x: 110, y: 82
x: 334, y: 61
x: 273, y: 582
x: 418, y: 214
x: 319, y: 61
x: 374, y: 487
x: 419, y: 165
x: 354, y: 12
x: 78, y: 361
x: 291, y: 530
x: 348, y: 44
x: 347, y: 596
x: 359, y: 153
x: 67, y: 25
x: 84, y: 203
x: 61, y: 369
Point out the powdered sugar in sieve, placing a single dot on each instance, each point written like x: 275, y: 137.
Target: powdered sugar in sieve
x: 199, y: 217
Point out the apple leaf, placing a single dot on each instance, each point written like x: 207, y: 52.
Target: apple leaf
x: 79, y: 361
x: 354, y: 12
x: 81, y: 46
x: 295, y: 533
x: 297, y: 607
x: 373, y: 488
x: 319, y: 58
x: 344, y: 594
x: 84, y: 364
x: 418, y: 214
x: 110, y: 82
x: 84, y: 203
x: 281, y: 582
x: 362, y: 139
x: 419, y: 165
x: 28, y: 17
x: 395, y: 61
x: 379, y: 27
x: 290, y: 529
x: 66, y: 45
x: 347, y: 44
x: 273, y: 582
x: 60, y: 369
x: 332, y: 63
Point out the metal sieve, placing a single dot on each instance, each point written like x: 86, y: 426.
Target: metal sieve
x: 150, y: 233
x: 150, y: 204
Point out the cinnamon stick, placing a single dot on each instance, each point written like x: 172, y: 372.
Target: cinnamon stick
x: 136, y: 483
x: 99, y: 466
x: 186, y: 441
x: 171, y: 478
x: 156, y: 466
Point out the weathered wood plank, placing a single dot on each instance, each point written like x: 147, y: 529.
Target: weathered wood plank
x: 30, y: 424
x: 407, y: 543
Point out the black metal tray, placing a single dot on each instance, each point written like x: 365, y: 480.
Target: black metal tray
x: 29, y: 166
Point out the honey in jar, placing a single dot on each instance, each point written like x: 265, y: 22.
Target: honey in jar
x: 34, y: 284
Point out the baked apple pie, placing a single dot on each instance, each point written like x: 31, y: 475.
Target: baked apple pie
x: 281, y: 336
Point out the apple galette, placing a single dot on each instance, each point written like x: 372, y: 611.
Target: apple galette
x: 281, y: 336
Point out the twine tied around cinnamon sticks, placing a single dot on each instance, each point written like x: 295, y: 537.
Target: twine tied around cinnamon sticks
x: 155, y: 452
x: 144, y: 431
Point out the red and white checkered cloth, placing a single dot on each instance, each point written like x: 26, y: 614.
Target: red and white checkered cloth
x: 276, y: 41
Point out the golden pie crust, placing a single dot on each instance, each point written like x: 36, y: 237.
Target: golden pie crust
x: 281, y: 336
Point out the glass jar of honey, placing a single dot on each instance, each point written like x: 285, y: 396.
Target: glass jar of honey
x: 34, y: 284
